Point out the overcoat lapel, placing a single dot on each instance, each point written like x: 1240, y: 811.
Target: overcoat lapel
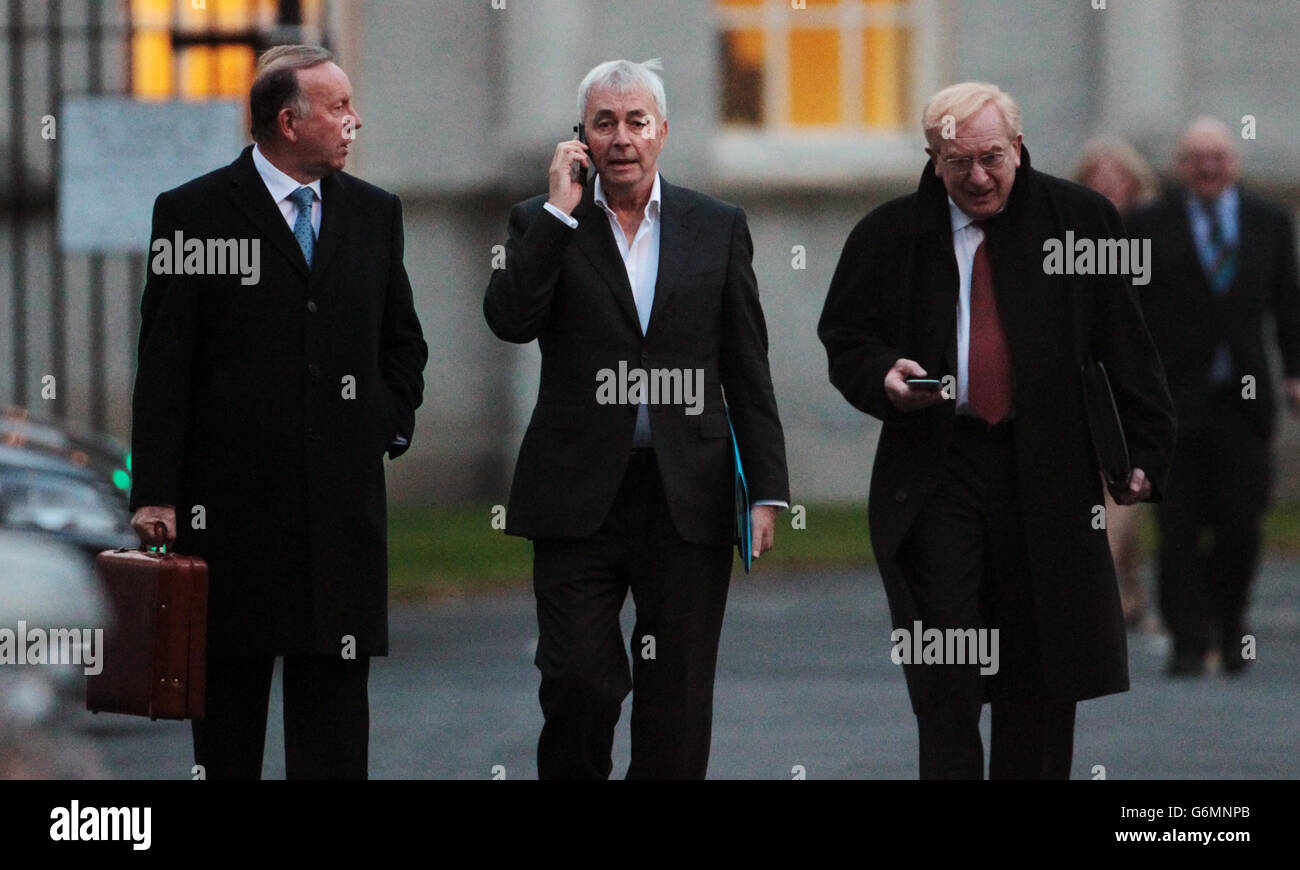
x: 1250, y: 252
x: 334, y: 219
x: 932, y: 273
x: 1185, y: 245
x: 1023, y: 290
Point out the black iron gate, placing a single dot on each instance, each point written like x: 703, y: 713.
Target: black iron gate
x: 53, y: 48
x: 69, y: 311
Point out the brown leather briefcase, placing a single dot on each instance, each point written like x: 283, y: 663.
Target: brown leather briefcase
x: 155, y: 652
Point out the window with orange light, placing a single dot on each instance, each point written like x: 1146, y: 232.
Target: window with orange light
x: 835, y: 64
x: 204, y: 49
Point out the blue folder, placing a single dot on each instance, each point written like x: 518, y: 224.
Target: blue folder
x: 744, y: 522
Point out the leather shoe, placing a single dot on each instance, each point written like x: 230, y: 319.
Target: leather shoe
x: 1186, y: 665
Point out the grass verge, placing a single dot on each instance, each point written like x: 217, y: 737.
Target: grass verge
x: 456, y: 550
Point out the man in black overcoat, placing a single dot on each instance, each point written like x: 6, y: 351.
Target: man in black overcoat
x: 986, y: 507
x: 1224, y: 259
x: 265, y: 399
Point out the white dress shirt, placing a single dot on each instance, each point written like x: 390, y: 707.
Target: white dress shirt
x: 281, y: 186
x: 641, y: 255
x: 966, y: 239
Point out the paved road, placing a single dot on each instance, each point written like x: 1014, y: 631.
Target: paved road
x: 804, y: 679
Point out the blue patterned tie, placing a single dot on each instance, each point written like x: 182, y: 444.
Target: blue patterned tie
x: 302, y: 197
x: 1222, y: 265
x: 1220, y: 270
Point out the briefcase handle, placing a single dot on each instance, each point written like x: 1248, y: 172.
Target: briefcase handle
x: 159, y: 550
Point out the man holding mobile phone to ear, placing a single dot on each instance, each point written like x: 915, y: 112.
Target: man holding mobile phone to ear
x: 643, y: 299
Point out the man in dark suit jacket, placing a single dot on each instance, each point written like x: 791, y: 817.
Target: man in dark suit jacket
x: 620, y: 490
x: 985, y: 497
x: 1223, y: 259
x: 264, y: 402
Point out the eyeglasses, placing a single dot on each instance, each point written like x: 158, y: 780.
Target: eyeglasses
x: 964, y: 165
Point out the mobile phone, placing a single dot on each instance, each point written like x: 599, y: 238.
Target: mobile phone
x: 928, y: 385
x: 579, y: 171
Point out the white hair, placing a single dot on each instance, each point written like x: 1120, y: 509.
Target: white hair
x: 963, y: 100
x: 623, y: 76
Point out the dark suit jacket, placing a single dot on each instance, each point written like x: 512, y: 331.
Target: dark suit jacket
x: 240, y: 407
x: 569, y: 290
x: 1188, y: 321
x: 894, y: 294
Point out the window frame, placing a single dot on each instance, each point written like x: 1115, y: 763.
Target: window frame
x: 187, y: 28
x: 814, y: 154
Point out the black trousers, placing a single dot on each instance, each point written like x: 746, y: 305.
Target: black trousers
x: 1219, y: 484
x: 680, y: 591
x: 967, y: 566
x: 326, y: 717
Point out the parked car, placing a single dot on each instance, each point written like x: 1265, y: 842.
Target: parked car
x: 61, y: 481
x: 45, y: 584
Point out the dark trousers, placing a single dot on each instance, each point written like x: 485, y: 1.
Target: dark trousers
x: 680, y: 591
x: 967, y: 566
x: 326, y: 717
x: 1219, y: 484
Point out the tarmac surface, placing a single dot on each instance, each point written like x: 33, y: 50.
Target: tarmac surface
x: 805, y: 684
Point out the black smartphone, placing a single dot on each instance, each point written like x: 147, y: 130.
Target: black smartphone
x: 579, y: 170
x: 929, y: 385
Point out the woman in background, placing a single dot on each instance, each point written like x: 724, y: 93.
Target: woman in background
x: 1113, y: 168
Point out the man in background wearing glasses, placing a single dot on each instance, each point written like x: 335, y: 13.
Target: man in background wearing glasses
x: 986, y: 507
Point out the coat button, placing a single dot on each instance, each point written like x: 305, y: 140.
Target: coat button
x: 313, y: 369
x: 900, y: 496
x: 311, y: 305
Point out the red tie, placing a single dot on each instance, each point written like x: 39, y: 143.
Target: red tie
x: 989, y: 356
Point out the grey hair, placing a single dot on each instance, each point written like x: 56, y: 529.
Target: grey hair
x: 276, y: 85
x: 962, y: 101
x: 622, y: 76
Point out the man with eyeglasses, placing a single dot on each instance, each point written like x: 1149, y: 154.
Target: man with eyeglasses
x: 986, y: 508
